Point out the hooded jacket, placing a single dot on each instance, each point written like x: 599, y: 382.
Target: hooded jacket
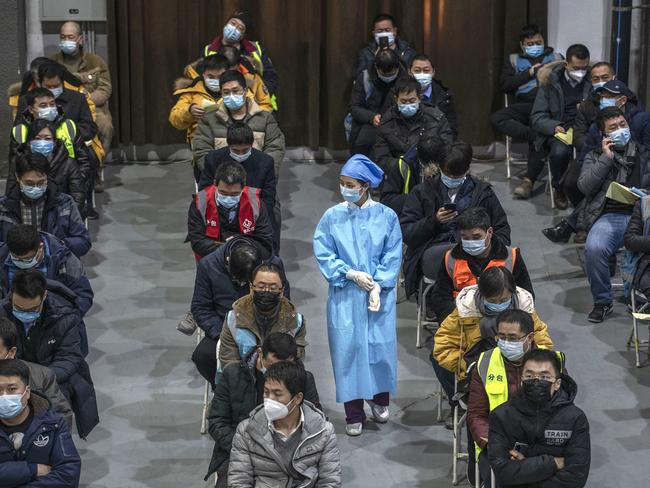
x: 510, y: 79
x: 559, y: 429
x: 189, y: 92
x: 255, y: 462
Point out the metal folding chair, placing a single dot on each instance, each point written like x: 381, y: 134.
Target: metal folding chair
x: 509, y: 158
x: 206, y: 391
x: 549, y: 185
x: 458, y: 455
x: 633, y: 340
x: 424, y: 288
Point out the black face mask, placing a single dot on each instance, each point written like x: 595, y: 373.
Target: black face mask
x: 266, y: 301
x: 537, y: 391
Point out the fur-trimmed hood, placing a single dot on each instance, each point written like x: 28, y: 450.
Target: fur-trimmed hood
x: 182, y: 83
x: 545, y: 73
x: 14, y: 89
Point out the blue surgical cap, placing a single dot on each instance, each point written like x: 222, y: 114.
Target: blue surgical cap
x: 362, y: 169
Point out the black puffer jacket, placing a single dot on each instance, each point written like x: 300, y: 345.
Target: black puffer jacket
x: 559, y: 430
x: 442, y: 98
x: 636, y: 242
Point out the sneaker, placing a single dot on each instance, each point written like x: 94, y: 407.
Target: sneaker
x: 188, y: 325
x: 524, y: 190
x: 580, y: 237
x: 92, y: 214
x: 379, y: 414
x: 354, y: 430
x: 561, y: 201
x: 600, y: 312
x: 99, y: 184
x: 560, y: 233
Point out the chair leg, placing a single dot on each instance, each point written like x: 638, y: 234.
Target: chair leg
x: 456, y: 449
x: 508, y: 156
x: 550, y: 186
x: 421, y: 314
x: 477, y: 475
x: 493, y: 479
x: 635, y: 329
x: 204, y: 410
x: 441, y: 394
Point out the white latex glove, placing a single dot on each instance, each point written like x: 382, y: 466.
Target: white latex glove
x: 363, y: 280
x: 373, y: 298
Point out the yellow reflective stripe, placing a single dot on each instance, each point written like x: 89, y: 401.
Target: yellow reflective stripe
x: 67, y: 132
x: 20, y: 133
x: 407, y: 179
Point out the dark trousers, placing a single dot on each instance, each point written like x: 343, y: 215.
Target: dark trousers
x: 570, y: 183
x: 432, y: 259
x: 514, y: 121
x: 446, y: 379
x: 559, y: 155
x: 485, y: 469
x: 354, y: 412
x: 205, y: 359
x: 222, y: 475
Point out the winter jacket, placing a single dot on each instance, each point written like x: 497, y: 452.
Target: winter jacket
x: 548, y: 109
x: 59, y: 349
x: 442, y: 98
x: 558, y: 430
x: 47, y: 441
x: 462, y: 329
x: 370, y: 96
x: 61, y: 218
x: 235, y: 396
x: 254, y: 462
x: 211, y: 132
x: 599, y: 171
x: 214, y: 290
x: 442, y: 295
x: 243, y: 316
x: 59, y: 264
x: 585, y: 117
x: 397, y: 134
x: 366, y: 58
x: 637, y: 243
x: 511, y: 79
x: 421, y: 229
x: 43, y: 380
x: 189, y: 92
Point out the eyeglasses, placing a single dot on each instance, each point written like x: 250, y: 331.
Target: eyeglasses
x: 235, y: 91
x: 509, y: 338
x: 543, y: 377
x: 271, y: 288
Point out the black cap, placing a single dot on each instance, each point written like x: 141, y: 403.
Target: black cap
x: 616, y: 87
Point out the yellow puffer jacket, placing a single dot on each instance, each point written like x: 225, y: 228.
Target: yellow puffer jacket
x: 460, y: 331
x: 190, y: 92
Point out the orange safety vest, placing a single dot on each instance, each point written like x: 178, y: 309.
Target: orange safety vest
x: 459, y: 272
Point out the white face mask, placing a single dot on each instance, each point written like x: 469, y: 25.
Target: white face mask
x: 275, y: 410
x: 578, y: 74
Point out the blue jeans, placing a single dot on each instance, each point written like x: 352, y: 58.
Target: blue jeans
x: 603, y: 240
x: 559, y: 155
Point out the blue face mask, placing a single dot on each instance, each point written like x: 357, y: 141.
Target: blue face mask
x: 451, y: 182
x: 534, y: 51
x: 474, y: 247
x: 240, y: 158
x: 620, y: 136
x: 408, y: 109
x: 234, y: 102
x: 42, y: 146
x: 20, y: 264
x: 231, y: 33
x: 57, y: 92
x: 33, y: 192
x: 49, y: 113
x: 387, y: 79
x: 228, y: 201
x: 496, y: 307
x: 511, y: 350
x: 351, y: 195
x: 607, y: 102
x: 212, y: 84
x: 11, y: 405
x: 68, y: 47
x: 26, y: 317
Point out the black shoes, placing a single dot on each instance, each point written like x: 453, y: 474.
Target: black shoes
x: 92, y: 214
x: 560, y: 233
x: 600, y: 312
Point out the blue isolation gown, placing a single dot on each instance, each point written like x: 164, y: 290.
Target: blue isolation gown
x: 363, y: 344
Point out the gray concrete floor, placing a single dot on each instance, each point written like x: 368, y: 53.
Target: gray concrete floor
x: 150, y: 397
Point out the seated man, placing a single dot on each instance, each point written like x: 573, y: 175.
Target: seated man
x: 26, y: 248
x: 49, y: 330
x: 563, y: 86
x: 254, y: 81
x: 225, y: 209
x: 429, y: 213
x: 620, y: 160
x: 195, y: 93
x: 384, y: 35
x: 433, y: 92
x: 286, y: 439
x: 519, y: 79
x: 41, y: 378
x: 240, y: 389
x: 523, y: 454
x: 371, y: 97
x: 237, y: 104
x: 411, y: 169
x: 264, y: 311
x: 497, y: 377
x: 406, y: 123
x: 637, y: 241
x: 464, y: 263
x: 39, y: 204
x: 36, y: 448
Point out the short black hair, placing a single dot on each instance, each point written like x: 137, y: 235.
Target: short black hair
x: 579, y: 51
x: 282, y: 345
x: 474, y: 218
x: 608, y: 113
x: 29, y: 283
x: 514, y: 316
x: 457, y: 158
x: 244, y: 257
x: 529, y: 30
x: 231, y: 54
x: 232, y: 75
x: 32, y: 162
x: 381, y: 17
x: 37, y: 125
x: 386, y: 61
x: 230, y: 173
x: 23, y: 238
x: 239, y: 133
x: 430, y: 148
x: 543, y: 356
x: 407, y: 85
x: 214, y: 61
x: 600, y: 64
x: 245, y: 17
x: 421, y: 57
x: 38, y: 92
x: 51, y: 69
x: 290, y: 373
x: 8, y: 333
x: 494, y: 280
x: 15, y: 367
x: 268, y: 268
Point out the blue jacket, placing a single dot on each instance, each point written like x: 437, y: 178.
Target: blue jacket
x: 60, y: 218
x: 59, y: 265
x: 215, y: 292
x: 46, y: 441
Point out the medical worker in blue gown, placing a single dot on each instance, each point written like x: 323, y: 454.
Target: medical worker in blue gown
x: 358, y: 245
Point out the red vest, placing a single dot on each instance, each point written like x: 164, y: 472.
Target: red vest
x: 458, y: 269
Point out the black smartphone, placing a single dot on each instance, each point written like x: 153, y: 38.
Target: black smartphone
x: 383, y: 42
x: 521, y: 447
x: 450, y: 207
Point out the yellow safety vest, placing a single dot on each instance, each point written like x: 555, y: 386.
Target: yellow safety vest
x: 406, y: 177
x: 66, y: 132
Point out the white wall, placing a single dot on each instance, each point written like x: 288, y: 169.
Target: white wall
x: 580, y: 21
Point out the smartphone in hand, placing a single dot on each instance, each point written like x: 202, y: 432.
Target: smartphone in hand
x: 450, y: 207
x: 383, y: 42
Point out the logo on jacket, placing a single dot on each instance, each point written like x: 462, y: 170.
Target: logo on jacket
x: 52, y: 341
x: 41, y: 440
x: 557, y: 437
x: 248, y: 226
x: 212, y: 223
